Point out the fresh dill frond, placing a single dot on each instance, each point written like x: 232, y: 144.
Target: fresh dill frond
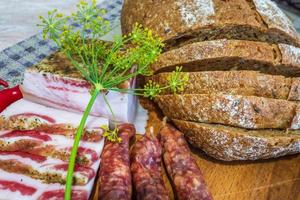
x: 105, y: 65
x: 108, y: 65
x: 151, y: 89
x: 111, y: 135
x: 177, y: 81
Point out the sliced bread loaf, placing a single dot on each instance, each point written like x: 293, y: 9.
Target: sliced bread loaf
x: 232, y: 55
x: 228, y: 143
x: 179, y: 22
x: 247, y: 83
x: 241, y: 111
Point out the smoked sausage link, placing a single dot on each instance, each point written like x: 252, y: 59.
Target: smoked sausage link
x: 114, y: 176
x: 146, y: 169
x: 185, y: 175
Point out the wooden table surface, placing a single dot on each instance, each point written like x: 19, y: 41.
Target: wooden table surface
x: 275, y: 179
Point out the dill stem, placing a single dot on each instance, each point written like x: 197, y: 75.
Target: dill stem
x: 78, y: 134
x: 110, y: 108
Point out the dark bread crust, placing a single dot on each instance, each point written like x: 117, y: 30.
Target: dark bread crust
x: 228, y: 143
x: 232, y: 55
x: 181, y: 22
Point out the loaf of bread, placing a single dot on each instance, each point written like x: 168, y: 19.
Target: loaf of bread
x: 232, y: 55
x: 181, y: 22
x: 229, y: 143
x: 242, y: 58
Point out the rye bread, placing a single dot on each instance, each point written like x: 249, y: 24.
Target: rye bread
x: 240, y: 111
x: 229, y: 143
x: 246, y: 83
x: 180, y: 22
x: 232, y: 55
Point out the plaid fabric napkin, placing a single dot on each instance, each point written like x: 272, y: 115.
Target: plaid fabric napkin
x: 15, y: 59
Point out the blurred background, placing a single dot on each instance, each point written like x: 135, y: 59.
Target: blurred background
x: 18, y: 18
x: 292, y: 9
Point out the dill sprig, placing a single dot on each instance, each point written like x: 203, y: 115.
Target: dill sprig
x: 105, y: 65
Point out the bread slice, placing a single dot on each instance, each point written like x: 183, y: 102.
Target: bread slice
x: 241, y: 111
x: 228, y: 143
x: 181, y: 22
x: 232, y: 55
x: 246, y: 83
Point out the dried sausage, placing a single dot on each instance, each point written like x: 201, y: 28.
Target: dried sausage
x: 182, y: 169
x: 146, y: 169
x: 114, y: 175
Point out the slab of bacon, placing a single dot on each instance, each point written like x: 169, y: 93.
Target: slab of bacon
x: 14, y: 186
x: 58, y: 84
x: 35, y: 144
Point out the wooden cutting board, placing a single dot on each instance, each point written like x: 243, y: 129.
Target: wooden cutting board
x: 273, y: 179
x: 277, y: 179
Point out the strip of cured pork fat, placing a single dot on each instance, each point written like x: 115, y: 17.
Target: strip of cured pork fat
x: 35, y: 144
x: 58, y: 84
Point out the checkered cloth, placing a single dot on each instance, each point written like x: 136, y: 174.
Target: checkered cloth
x: 14, y: 60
